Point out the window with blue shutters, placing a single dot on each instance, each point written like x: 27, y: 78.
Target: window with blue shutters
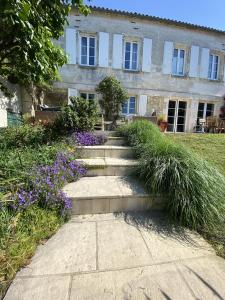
x: 88, y: 51
x: 213, y: 67
x: 131, y: 56
x: 129, y: 107
x: 178, y: 62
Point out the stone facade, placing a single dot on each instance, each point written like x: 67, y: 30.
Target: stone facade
x: 12, y: 103
x: 152, y: 83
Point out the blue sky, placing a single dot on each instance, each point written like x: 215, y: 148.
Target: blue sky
x: 209, y: 13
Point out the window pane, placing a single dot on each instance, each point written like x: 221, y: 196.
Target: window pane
x: 181, y: 63
x: 210, y: 66
x: 172, y: 104
x: 182, y: 104
x: 125, y: 107
x: 127, y: 55
x: 175, y: 61
x: 91, y: 51
x: 134, y: 56
x: 91, y: 96
x: 215, y: 67
x: 83, y: 95
x: 132, y: 105
x: 84, y: 50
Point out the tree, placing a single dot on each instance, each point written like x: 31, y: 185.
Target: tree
x: 27, y: 53
x: 113, y: 96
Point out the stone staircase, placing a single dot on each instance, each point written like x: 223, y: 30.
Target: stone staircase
x: 109, y: 186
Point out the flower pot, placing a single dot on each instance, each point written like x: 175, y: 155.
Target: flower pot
x: 163, y: 125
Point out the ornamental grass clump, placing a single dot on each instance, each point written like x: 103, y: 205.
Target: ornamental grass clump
x: 46, y: 182
x: 193, y: 189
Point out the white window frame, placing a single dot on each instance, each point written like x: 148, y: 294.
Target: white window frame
x: 128, y: 107
x: 88, y: 49
x: 205, y: 109
x: 124, y: 54
x: 210, y: 76
x: 179, y: 61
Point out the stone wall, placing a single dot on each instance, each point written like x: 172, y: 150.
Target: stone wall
x: 12, y: 103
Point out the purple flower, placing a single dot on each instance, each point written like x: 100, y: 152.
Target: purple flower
x: 88, y: 138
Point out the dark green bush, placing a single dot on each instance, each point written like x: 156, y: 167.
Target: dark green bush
x: 194, y: 190
x: 26, y: 135
x: 80, y: 115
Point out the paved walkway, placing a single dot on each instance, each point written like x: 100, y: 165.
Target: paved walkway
x: 133, y: 256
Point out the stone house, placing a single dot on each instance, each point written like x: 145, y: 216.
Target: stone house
x: 174, y: 68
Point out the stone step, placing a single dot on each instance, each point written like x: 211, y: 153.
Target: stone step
x: 116, y: 141
x: 104, y: 194
x: 109, y: 166
x: 108, y: 133
x: 105, y: 151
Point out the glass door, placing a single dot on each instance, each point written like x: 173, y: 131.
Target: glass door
x: 176, y: 116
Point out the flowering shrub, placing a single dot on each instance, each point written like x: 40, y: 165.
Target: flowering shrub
x: 46, y: 183
x: 89, y: 139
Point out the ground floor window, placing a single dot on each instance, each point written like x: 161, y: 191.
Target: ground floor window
x: 205, y: 110
x: 88, y: 96
x: 129, y: 107
x: 176, y: 116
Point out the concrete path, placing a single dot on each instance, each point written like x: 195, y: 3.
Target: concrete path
x: 124, y: 256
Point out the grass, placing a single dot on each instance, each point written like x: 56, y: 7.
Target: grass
x: 193, y: 186
x: 20, y: 234
x: 211, y: 147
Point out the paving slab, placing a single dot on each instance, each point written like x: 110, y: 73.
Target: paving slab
x: 120, y: 246
x: 71, y: 249
x: 122, y: 256
x: 44, y: 288
x: 145, y: 283
x: 205, y: 277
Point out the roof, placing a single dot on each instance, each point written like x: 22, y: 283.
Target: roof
x: 156, y: 19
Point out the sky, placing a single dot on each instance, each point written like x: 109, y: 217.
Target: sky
x: 210, y: 13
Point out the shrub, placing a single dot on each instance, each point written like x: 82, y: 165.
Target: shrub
x: 89, y: 138
x: 194, y: 190
x: 113, y: 95
x: 80, y: 115
x: 25, y: 135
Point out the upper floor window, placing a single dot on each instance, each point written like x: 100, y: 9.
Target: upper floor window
x: 131, y: 56
x: 88, y: 51
x: 178, y: 62
x: 87, y: 96
x: 129, y: 107
x: 213, y: 67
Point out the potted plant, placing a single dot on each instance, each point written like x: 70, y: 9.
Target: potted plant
x: 162, y: 122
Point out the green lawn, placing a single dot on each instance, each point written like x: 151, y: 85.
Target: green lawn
x: 209, y: 146
x: 212, y: 148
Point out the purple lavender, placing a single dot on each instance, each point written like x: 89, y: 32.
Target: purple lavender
x: 47, y: 181
x: 85, y: 138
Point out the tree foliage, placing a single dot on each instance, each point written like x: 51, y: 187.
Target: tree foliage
x: 113, y: 95
x: 79, y: 115
x: 27, y: 53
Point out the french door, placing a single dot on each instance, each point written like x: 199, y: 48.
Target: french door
x: 176, y: 116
